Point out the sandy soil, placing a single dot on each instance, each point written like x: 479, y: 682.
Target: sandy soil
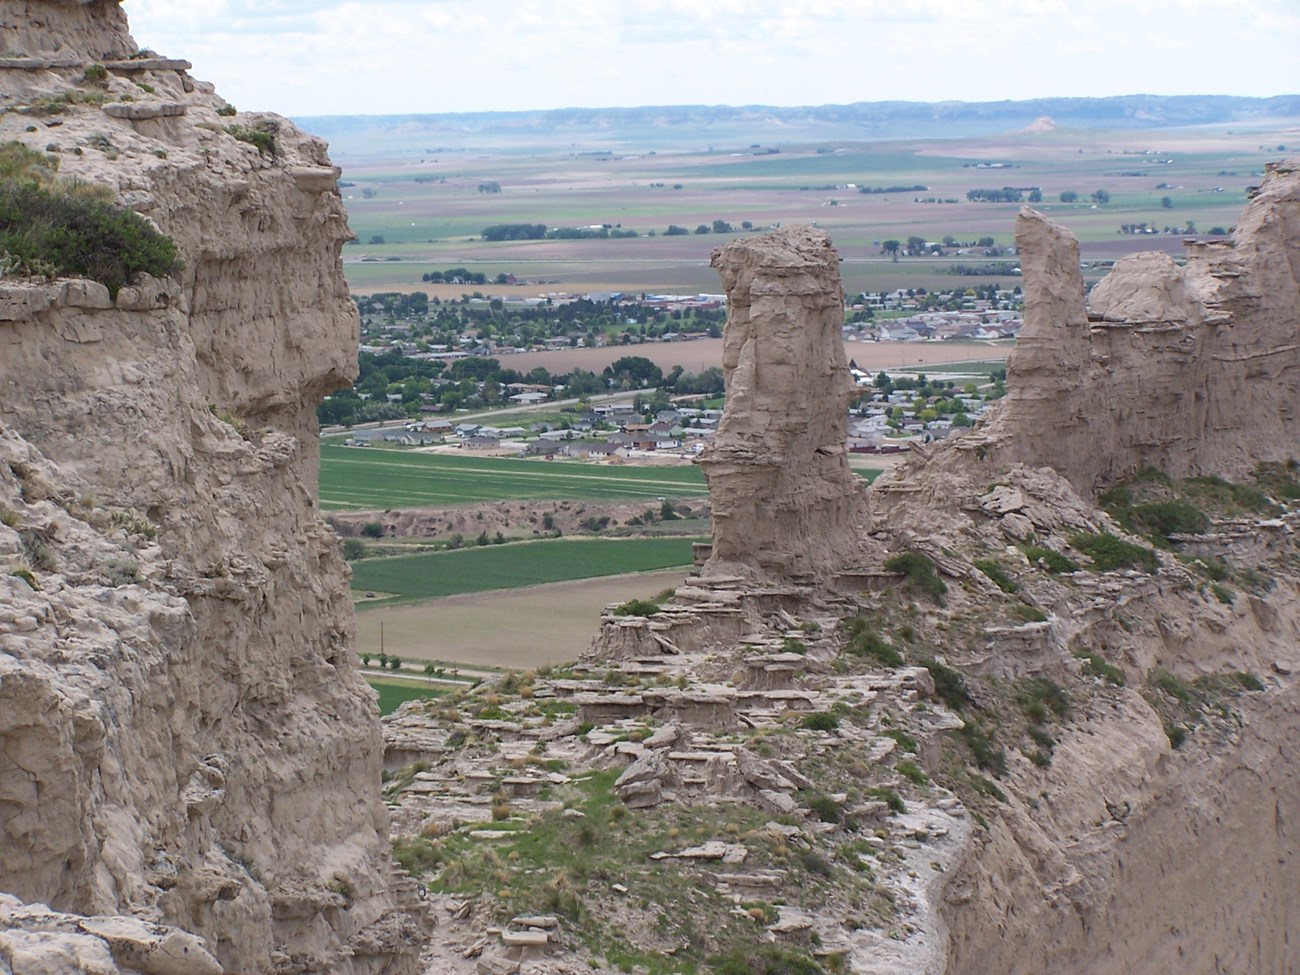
x: 521, y: 628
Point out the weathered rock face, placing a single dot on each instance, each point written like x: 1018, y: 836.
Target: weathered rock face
x: 184, y: 733
x: 1193, y: 370
x: 785, y: 502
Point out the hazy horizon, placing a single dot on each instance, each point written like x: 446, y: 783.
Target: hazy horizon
x: 310, y: 58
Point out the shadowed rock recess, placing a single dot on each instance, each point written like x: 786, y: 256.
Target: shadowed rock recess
x: 189, y: 758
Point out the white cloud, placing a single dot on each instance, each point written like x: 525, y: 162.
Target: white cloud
x: 390, y: 56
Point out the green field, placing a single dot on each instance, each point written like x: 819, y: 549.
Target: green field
x: 375, y: 478
x: 435, y: 574
x: 393, y: 693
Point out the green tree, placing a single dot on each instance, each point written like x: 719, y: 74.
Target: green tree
x: 1069, y: 196
x: 1167, y: 203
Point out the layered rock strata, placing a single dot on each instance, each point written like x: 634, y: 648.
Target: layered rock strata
x: 785, y: 503
x: 1190, y: 369
x: 185, y: 737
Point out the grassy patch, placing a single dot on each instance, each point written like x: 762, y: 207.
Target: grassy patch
x: 918, y: 572
x: 1109, y: 552
x: 434, y: 574
x: 1049, y: 559
x: 1095, y: 665
x: 863, y: 641
x: 376, y: 478
x: 394, y: 693
x: 997, y: 574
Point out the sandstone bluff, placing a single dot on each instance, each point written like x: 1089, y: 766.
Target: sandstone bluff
x: 189, y: 758
x: 1026, y: 705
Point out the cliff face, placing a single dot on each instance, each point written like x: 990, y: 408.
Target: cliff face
x: 1193, y: 370
x: 184, y: 734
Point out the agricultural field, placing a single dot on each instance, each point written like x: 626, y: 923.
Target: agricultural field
x: 520, y: 628
x: 369, y: 479
x: 418, y: 212
x: 396, y: 691
x: 409, y: 578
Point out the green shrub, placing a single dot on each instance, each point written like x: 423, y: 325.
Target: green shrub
x: 227, y: 110
x: 262, y: 140
x: 888, y: 796
x: 825, y: 808
x: 997, y: 575
x: 372, y: 529
x: 416, y: 855
x: 1249, y: 681
x: 949, y: 686
x: 866, y: 642
x: 820, y: 721
x: 96, y: 72
x: 911, y: 771
x: 1176, y: 734
x: 905, y: 741
x: 1042, y: 738
x: 1050, y: 559
x: 1042, y: 699
x: 1222, y: 593
x: 354, y: 548
x: 1164, y: 518
x: 1095, y: 665
x: 1030, y: 614
x: 637, y: 607
x: 1172, y: 686
x: 1109, y: 552
x: 763, y: 960
x: 50, y: 228
x: 987, y: 756
x: 918, y: 573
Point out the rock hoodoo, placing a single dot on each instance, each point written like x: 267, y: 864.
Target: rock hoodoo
x: 185, y: 739
x: 785, y: 502
x: 1192, y: 370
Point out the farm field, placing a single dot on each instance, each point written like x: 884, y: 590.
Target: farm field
x: 520, y: 628
x: 395, y: 691
x: 419, y: 211
x: 409, y: 578
x: 366, y: 479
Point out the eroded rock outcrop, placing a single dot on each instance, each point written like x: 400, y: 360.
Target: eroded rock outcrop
x: 184, y: 734
x: 1192, y: 370
x: 785, y: 502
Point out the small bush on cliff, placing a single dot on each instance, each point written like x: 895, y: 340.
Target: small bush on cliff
x: 918, y: 571
x: 637, y: 607
x: 51, y: 227
x: 1110, y: 552
x: 260, y: 139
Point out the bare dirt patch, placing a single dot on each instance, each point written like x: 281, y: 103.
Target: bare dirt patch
x: 520, y: 628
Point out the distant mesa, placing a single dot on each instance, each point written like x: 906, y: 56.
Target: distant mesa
x: 1044, y: 123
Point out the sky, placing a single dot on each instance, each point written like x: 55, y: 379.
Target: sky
x: 332, y: 57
